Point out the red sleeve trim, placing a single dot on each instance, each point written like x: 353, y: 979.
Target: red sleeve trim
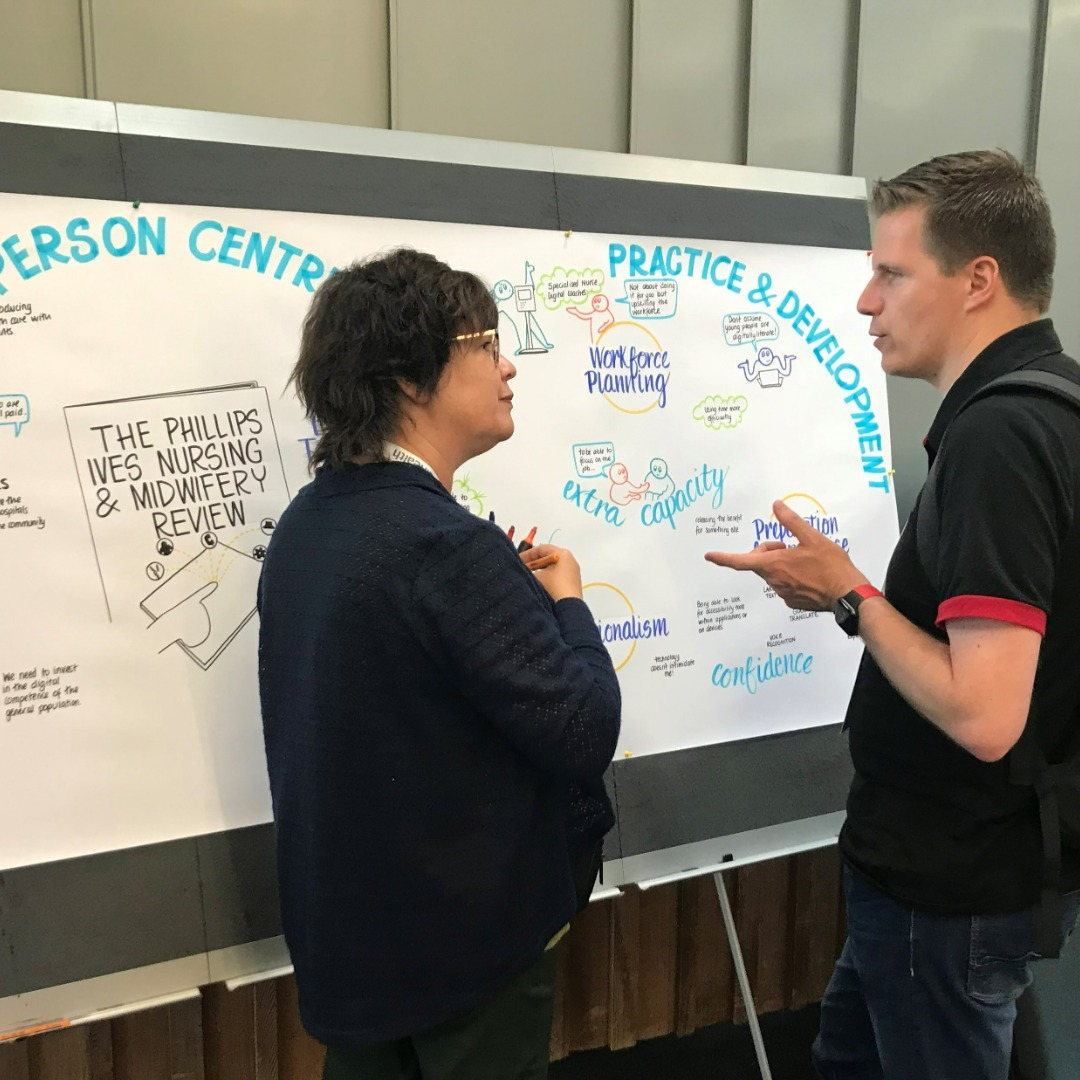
x: 993, y: 607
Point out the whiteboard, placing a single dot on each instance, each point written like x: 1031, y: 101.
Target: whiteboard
x: 667, y: 391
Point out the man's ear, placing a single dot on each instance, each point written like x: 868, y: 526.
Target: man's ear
x: 983, y: 281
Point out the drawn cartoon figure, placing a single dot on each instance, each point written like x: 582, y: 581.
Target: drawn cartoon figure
x: 503, y: 292
x: 598, y: 315
x: 623, y: 492
x: 659, y: 483
x: 767, y: 369
x: 525, y: 303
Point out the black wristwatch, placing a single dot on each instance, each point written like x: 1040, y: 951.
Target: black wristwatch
x: 846, y: 609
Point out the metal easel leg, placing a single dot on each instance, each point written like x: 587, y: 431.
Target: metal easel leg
x: 740, y: 974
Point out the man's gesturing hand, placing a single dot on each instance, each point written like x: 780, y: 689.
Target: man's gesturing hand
x: 810, y: 576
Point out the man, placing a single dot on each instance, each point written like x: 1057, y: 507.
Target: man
x: 976, y: 636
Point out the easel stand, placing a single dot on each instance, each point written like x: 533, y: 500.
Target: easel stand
x: 740, y: 974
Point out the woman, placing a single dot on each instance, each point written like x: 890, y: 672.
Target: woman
x: 437, y: 715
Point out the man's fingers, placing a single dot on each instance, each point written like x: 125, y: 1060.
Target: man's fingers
x: 797, y: 526
x: 737, y: 560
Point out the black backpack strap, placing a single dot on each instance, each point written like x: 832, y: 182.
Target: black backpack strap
x: 926, y: 526
x: 1027, y: 763
x: 1028, y: 767
x: 1046, y: 381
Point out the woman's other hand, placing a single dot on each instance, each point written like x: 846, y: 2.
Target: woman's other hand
x: 556, y: 569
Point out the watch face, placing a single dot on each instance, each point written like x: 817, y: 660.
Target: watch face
x: 847, y: 618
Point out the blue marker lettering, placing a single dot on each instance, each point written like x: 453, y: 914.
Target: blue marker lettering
x: 84, y: 248
x: 231, y: 242
x: 203, y: 226
x: 47, y: 243
x: 18, y: 258
x: 128, y: 245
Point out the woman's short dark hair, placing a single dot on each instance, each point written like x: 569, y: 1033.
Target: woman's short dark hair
x: 377, y: 327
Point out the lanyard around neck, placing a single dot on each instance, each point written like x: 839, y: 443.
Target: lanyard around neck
x: 393, y: 452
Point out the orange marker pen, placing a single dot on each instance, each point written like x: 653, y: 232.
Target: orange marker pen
x: 528, y: 541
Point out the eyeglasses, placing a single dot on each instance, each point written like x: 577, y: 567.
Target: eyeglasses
x: 493, y: 334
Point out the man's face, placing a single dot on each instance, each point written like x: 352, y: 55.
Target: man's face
x: 916, y: 311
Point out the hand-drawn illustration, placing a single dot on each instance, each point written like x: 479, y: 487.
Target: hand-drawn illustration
x: 767, y: 369
x: 660, y: 483
x: 599, y: 315
x: 14, y: 411
x: 623, y: 491
x: 191, y: 478
x: 468, y: 496
x: 719, y: 412
x: 524, y: 298
x: 218, y: 613
x: 651, y: 298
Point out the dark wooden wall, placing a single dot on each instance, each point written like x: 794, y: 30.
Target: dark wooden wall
x: 646, y: 964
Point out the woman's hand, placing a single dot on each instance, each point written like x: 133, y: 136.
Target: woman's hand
x: 556, y: 569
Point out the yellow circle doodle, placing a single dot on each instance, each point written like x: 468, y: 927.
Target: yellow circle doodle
x: 629, y: 607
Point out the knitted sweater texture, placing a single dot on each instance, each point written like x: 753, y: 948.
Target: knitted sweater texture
x: 436, y: 729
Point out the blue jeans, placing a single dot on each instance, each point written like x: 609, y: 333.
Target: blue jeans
x: 916, y: 996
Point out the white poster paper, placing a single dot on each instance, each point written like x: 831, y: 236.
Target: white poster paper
x: 667, y: 392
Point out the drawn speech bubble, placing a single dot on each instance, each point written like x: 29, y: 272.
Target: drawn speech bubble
x: 562, y: 287
x: 651, y: 298
x: 753, y: 326
x: 721, y: 412
x: 14, y: 410
x: 592, y: 459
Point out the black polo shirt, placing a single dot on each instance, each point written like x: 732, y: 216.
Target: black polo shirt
x: 927, y: 822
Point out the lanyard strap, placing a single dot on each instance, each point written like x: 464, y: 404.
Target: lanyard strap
x: 394, y: 452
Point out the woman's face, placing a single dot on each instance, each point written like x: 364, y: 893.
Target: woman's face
x: 473, y: 402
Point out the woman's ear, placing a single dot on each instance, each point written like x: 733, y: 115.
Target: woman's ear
x: 411, y: 392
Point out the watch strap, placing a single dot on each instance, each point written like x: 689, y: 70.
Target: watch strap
x: 865, y: 592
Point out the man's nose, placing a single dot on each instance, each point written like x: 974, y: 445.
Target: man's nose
x: 869, y: 302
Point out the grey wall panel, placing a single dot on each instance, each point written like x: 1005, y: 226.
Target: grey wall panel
x: 80, y: 918
x: 913, y: 404
x: 239, y: 884
x: 689, y: 82
x: 301, y: 59
x: 1057, y: 159
x: 935, y: 77
x: 615, y: 205
x: 689, y: 795
x: 266, y: 178
x: 802, y: 84
x: 41, y: 47
x: 51, y: 161
x: 551, y: 73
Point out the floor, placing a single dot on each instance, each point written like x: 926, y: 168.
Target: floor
x: 725, y: 1051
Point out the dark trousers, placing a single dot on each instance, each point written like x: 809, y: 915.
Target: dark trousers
x: 917, y: 996
x: 506, y: 1038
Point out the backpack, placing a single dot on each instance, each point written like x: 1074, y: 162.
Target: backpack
x: 1057, y: 786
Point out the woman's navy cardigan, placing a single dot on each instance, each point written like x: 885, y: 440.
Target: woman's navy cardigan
x: 436, y: 731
